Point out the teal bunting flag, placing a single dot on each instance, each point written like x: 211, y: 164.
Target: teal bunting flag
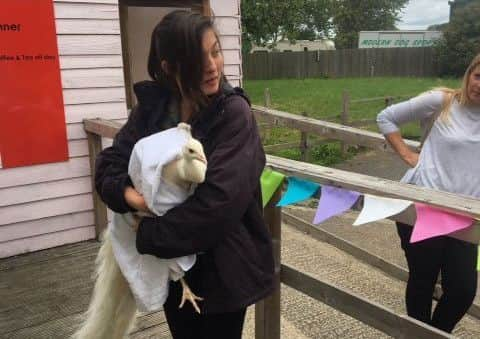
x: 298, y: 190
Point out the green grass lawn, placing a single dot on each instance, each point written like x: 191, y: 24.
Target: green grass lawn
x: 322, y: 99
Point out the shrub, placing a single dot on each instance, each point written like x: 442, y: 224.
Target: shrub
x: 460, y: 42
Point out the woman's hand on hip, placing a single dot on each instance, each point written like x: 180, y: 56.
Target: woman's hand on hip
x: 411, y: 158
x: 405, y: 152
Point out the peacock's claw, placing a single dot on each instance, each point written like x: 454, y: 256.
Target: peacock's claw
x: 187, y: 294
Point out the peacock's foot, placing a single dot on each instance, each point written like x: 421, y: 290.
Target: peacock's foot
x: 187, y: 294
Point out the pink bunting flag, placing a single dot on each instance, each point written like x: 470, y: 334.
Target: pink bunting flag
x: 334, y: 201
x: 432, y: 222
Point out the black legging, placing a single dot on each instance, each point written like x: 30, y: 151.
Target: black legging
x: 457, y: 262
x: 184, y: 323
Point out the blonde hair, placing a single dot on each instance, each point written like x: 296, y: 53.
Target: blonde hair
x: 460, y: 94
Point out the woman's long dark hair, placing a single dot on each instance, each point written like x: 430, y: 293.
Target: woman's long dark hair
x: 177, y: 39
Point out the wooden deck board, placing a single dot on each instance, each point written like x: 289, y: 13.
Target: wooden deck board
x: 43, y: 294
x: 152, y: 325
x: 45, y: 255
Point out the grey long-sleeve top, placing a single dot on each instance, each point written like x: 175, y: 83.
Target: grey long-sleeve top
x: 450, y: 157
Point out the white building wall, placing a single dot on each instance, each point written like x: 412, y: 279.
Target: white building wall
x: 49, y: 205
x: 227, y: 14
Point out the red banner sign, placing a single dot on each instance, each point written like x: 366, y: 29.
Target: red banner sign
x: 32, y: 117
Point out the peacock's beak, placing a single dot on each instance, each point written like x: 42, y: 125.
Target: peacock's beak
x: 201, y: 158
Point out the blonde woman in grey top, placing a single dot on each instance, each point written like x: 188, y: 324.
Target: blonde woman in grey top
x: 449, y: 161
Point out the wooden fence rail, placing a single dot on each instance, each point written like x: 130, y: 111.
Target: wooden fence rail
x: 358, y: 253
x: 347, y: 101
x: 343, y: 63
x: 305, y: 144
x: 265, y: 128
x: 268, y: 311
x: 329, y: 130
x: 378, y: 186
x: 370, y: 313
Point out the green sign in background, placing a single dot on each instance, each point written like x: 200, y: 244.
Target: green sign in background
x: 397, y: 42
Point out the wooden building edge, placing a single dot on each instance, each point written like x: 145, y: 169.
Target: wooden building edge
x: 44, y: 206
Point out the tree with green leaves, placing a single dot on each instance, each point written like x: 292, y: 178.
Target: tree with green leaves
x: 352, y: 16
x: 265, y: 22
x: 315, y: 20
x: 460, y: 41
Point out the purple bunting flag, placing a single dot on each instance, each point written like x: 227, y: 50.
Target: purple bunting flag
x: 334, y: 201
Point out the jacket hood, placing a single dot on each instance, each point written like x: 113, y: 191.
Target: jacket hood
x: 152, y: 97
x: 149, y: 92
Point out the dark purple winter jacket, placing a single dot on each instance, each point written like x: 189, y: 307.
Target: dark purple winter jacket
x: 222, y: 220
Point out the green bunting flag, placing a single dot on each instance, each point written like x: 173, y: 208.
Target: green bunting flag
x: 269, y: 181
x: 478, y: 259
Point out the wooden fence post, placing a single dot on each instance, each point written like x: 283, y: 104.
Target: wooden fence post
x: 345, y: 108
x: 345, y: 116
x: 99, y: 208
x: 388, y: 101
x: 267, y: 97
x: 267, y: 311
x: 266, y: 127
x: 304, y: 144
x: 306, y: 71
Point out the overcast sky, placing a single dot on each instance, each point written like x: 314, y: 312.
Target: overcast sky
x: 419, y: 14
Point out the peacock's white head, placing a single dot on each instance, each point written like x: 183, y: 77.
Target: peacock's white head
x: 192, y: 166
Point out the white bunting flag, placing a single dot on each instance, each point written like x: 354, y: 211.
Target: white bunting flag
x: 376, y: 208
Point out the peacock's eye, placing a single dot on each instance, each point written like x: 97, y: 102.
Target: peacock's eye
x: 190, y: 150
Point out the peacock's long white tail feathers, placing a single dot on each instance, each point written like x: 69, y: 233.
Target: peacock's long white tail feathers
x: 112, y: 308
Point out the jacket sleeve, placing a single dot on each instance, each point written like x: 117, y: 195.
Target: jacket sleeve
x: 217, y: 205
x: 111, y: 168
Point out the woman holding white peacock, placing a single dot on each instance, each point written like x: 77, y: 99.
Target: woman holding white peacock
x: 221, y: 222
